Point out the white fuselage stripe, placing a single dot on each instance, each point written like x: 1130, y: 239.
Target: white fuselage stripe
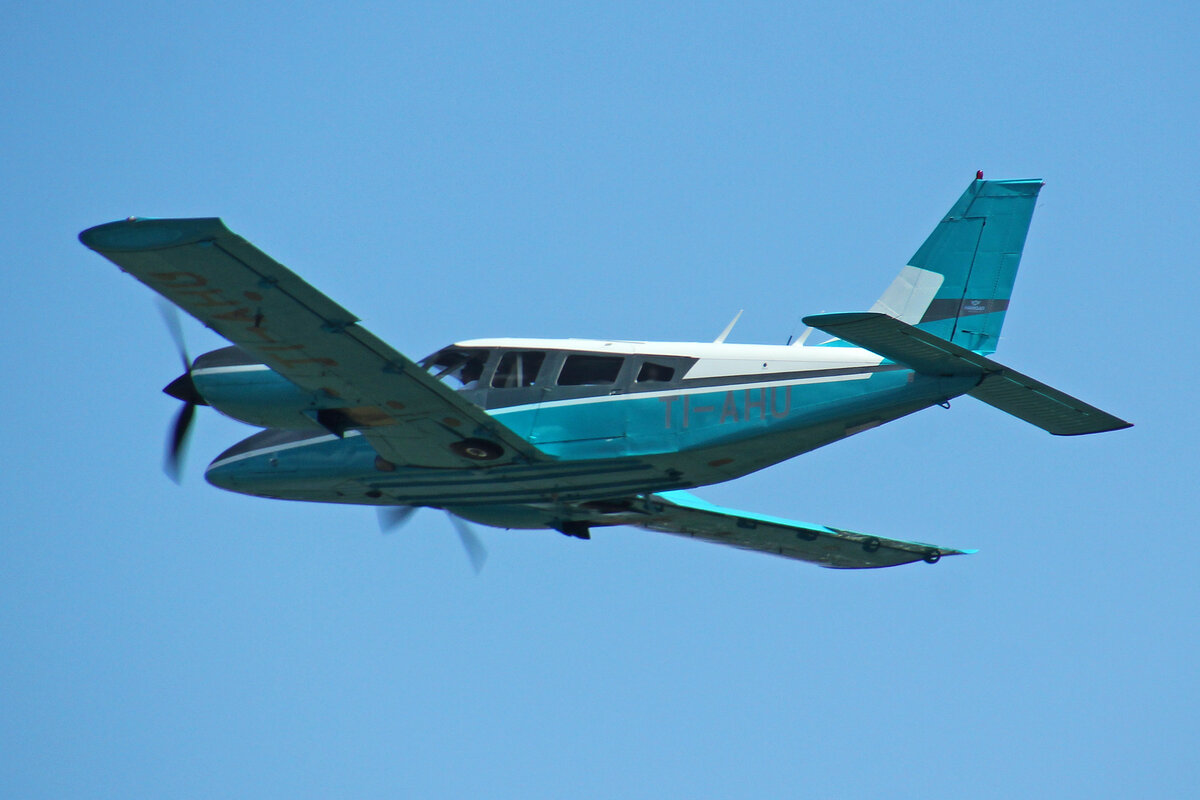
x: 732, y: 387
x: 277, y: 448
x: 230, y: 369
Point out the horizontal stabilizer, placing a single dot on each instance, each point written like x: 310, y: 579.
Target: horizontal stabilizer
x: 1044, y: 406
x: 684, y: 514
x: 999, y: 386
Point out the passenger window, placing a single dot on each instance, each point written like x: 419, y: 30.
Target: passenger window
x: 589, y: 370
x: 655, y: 372
x: 517, y: 368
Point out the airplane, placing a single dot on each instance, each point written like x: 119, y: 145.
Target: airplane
x: 576, y: 434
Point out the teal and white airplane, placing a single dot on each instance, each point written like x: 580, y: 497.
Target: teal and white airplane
x: 572, y: 434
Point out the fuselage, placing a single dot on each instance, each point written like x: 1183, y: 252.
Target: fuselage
x: 617, y: 417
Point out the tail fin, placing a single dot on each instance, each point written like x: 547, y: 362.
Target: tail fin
x: 958, y: 284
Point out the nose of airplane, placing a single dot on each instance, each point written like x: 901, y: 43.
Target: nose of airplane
x: 223, y: 476
x: 229, y: 472
x: 254, y: 464
x: 294, y: 465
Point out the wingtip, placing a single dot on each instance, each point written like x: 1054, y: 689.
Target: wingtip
x: 143, y: 233
x: 1119, y: 426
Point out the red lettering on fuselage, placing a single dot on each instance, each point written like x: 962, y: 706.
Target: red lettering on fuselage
x: 787, y: 401
x: 760, y: 403
x: 769, y: 399
x: 669, y: 401
x: 730, y: 409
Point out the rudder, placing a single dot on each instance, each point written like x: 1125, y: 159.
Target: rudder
x: 959, y: 282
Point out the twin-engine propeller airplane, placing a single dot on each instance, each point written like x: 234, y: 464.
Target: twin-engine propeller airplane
x: 571, y: 434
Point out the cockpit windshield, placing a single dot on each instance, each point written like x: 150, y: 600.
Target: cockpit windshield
x: 457, y: 365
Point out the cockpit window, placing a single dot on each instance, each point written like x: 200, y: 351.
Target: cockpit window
x: 655, y: 372
x: 518, y: 368
x: 462, y: 365
x: 589, y: 370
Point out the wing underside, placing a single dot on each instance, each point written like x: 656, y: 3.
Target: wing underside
x: 684, y: 514
x: 1001, y: 387
x: 269, y: 311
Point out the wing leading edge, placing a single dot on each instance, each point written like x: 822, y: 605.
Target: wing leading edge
x: 266, y: 309
x: 1001, y: 387
x: 683, y: 514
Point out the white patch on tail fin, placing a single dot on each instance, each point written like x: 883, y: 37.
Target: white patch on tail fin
x: 909, y: 295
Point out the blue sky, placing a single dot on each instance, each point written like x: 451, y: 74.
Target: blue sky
x: 617, y: 170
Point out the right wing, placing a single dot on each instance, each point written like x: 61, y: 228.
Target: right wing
x: 266, y: 309
x: 684, y: 514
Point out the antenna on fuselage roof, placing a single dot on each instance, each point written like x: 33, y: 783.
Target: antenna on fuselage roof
x: 729, y: 327
x: 804, y: 334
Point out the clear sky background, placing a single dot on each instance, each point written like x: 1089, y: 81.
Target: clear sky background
x: 606, y: 170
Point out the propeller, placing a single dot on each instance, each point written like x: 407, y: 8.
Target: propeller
x: 391, y: 518
x: 476, y: 552
x: 182, y: 388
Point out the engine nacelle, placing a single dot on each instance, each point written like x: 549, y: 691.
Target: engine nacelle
x: 239, y: 386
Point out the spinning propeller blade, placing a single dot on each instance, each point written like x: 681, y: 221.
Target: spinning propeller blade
x: 171, y: 318
x: 182, y: 388
x: 178, y: 443
x: 393, y: 517
x: 476, y: 552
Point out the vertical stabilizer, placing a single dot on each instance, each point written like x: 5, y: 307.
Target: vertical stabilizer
x: 958, y: 284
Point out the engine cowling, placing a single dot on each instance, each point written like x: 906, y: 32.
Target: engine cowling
x: 238, y: 385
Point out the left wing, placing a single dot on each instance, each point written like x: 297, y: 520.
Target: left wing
x: 687, y: 515
x: 258, y: 304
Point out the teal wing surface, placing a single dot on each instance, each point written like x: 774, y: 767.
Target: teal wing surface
x: 684, y: 514
x: 266, y: 309
x: 1000, y: 386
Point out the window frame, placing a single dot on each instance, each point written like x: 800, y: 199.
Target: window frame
x: 535, y: 383
x: 622, y: 368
